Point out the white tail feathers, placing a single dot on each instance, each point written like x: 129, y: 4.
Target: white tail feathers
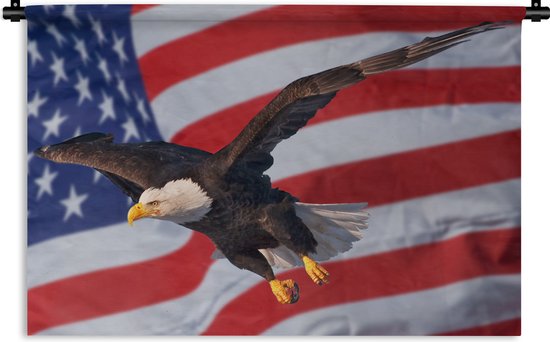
x: 334, y: 226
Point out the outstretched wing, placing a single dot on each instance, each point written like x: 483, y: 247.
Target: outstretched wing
x: 298, y: 102
x: 132, y: 167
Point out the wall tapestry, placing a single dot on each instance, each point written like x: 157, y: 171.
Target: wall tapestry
x: 277, y: 170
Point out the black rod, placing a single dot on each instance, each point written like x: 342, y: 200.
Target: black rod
x: 535, y: 13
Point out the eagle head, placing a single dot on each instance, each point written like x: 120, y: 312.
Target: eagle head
x: 179, y: 201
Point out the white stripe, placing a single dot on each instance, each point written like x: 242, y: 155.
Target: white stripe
x: 241, y: 80
x: 373, y: 135
x: 118, y: 245
x: 160, y: 25
x: 458, y: 306
x: 404, y: 224
x: 96, y: 249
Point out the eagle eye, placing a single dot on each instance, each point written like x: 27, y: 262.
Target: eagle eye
x: 154, y: 203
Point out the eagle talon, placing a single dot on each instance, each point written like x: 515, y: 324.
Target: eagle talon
x: 286, y: 291
x: 316, y: 272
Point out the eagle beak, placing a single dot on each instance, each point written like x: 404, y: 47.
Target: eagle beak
x: 136, y: 212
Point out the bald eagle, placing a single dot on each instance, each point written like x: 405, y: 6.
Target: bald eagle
x: 227, y: 196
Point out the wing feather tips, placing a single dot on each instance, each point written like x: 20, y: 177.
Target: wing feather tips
x: 426, y: 48
x: 49, y: 151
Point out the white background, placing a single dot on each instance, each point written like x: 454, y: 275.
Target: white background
x: 535, y: 164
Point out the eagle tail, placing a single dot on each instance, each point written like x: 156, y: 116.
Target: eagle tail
x: 334, y: 226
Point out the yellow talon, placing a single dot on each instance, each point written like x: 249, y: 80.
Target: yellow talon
x: 316, y: 272
x: 286, y: 291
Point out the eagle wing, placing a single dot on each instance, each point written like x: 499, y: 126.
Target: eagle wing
x: 298, y: 102
x: 132, y: 167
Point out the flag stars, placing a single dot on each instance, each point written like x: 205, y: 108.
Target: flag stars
x: 52, y: 125
x: 73, y: 204
x: 45, y: 182
x: 54, y: 32
x: 58, y: 68
x: 77, y: 132
x: 34, y: 53
x: 83, y: 88
x: 118, y: 48
x: 69, y: 12
x: 33, y: 107
x: 107, y: 108
x: 80, y: 47
x: 98, y: 30
x: 130, y: 129
x: 97, y: 176
x: 102, y: 66
x: 141, y: 108
x: 121, y: 87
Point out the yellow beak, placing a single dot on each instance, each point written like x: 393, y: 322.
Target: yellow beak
x: 137, y: 212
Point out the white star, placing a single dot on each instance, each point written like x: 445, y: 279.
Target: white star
x: 34, y: 53
x: 35, y: 104
x: 69, y: 12
x: 81, y: 48
x: 130, y: 129
x: 47, y: 8
x: 107, y: 108
x: 51, y: 29
x: 121, y: 87
x: 141, y: 108
x: 29, y: 158
x: 102, y: 66
x: 52, y: 125
x: 96, y: 27
x: 77, y: 132
x: 83, y: 88
x: 118, y: 47
x: 73, y: 204
x: 97, y: 176
x: 45, y: 182
x: 58, y: 69
x: 31, y: 24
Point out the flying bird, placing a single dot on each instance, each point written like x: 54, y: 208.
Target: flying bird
x: 227, y: 196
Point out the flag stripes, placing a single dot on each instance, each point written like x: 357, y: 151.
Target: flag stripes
x: 394, y: 90
x: 121, y: 288
x: 467, y: 163
x: 491, y: 209
x: 510, y: 327
x: 256, y: 75
x: 412, y: 269
x: 348, y: 319
x: 281, y: 26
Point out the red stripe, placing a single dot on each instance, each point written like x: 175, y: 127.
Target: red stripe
x: 411, y: 174
x: 118, y: 289
x: 505, y: 328
x: 401, y: 176
x: 396, y: 272
x: 140, y: 8
x: 393, y: 90
x: 285, y: 25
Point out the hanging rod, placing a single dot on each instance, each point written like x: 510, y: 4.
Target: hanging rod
x: 535, y: 13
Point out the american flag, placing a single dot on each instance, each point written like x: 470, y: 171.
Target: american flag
x: 434, y: 149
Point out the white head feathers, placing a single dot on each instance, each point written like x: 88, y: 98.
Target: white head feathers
x: 179, y: 201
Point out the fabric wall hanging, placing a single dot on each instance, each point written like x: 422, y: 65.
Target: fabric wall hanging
x: 428, y: 133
